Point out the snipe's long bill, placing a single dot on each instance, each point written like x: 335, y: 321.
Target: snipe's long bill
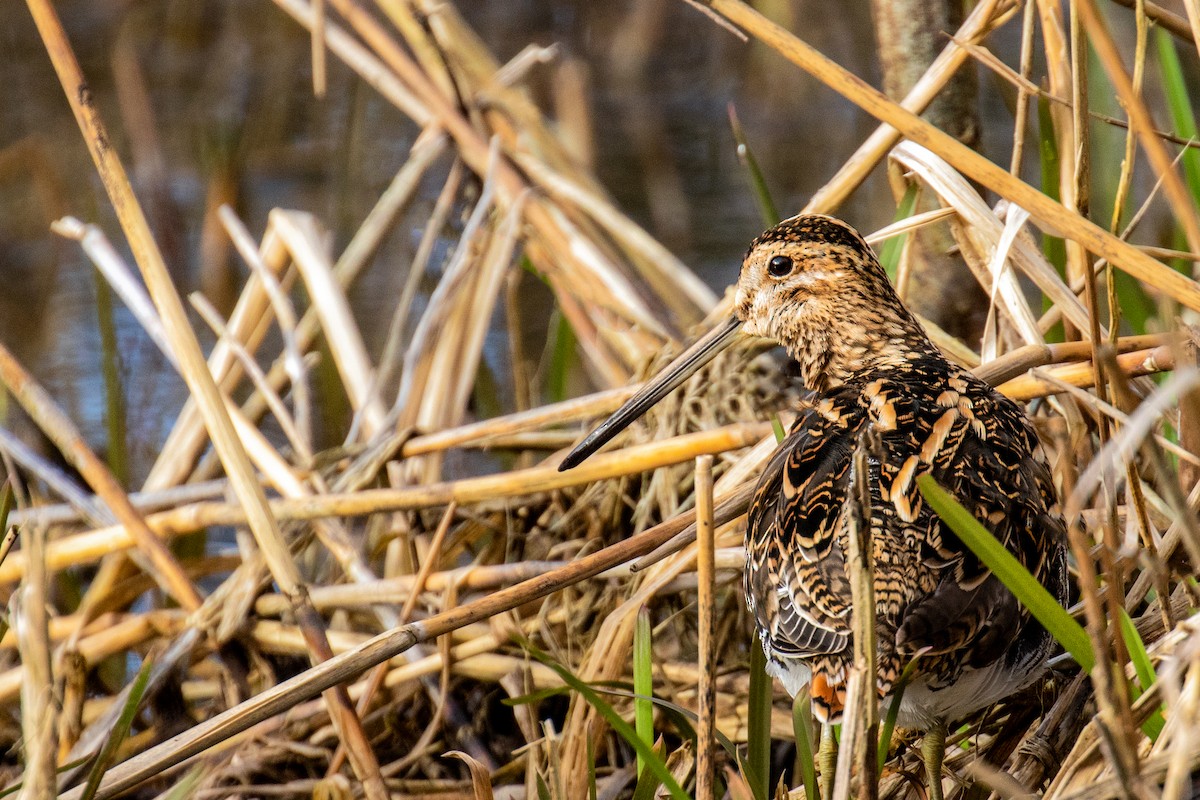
x: 685, y: 365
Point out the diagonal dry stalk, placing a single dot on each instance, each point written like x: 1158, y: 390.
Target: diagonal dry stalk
x: 1044, y: 210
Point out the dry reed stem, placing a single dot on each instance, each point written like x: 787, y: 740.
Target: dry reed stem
x: 357, y: 253
x: 391, y: 359
x: 78, y: 503
x: 301, y: 238
x: 1017, y: 362
x: 39, y: 718
x: 317, y: 49
x: 188, y: 434
x: 1169, y: 20
x: 432, y: 557
x: 63, y: 513
x: 285, y: 313
x: 979, y: 235
x: 1049, y: 214
x: 1138, y: 362
x: 362, y: 61
x: 483, y: 432
x: 455, y: 323
x: 212, y: 318
x: 860, y: 729
x: 706, y: 743
x: 397, y: 590
x: 123, y: 636
x: 101, y: 252
x: 1109, y: 411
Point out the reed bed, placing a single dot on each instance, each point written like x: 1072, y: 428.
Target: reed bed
x: 388, y: 628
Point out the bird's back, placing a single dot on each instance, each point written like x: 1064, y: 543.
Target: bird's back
x: 931, y: 592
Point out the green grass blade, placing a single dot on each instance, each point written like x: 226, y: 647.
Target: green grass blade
x: 889, y: 722
x: 6, y: 503
x: 186, y: 784
x: 1179, y: 104
x: 682, y: 718
x: 1146, y: 675
x: 1054, y: 247
x: 647, y: 783
x: 758, y: 739
x: 889, y: 253
x: 1137, y: 652
x: 591, y: 766
x: 119, y: 733
x: 114, y: 393
x: 643, y: 682
x: 653, y: 763
x: 777, y: 428
x: 1061, y: 625
x: 802, y: 727
x: 562, y: 358
x: 758, y: 183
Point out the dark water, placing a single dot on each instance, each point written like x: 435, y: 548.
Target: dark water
x: 228, y: 91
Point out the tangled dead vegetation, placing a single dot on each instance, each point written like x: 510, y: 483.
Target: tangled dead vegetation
x: 376, y: 614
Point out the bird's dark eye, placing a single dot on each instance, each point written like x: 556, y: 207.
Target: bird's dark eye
x: 779, y: 266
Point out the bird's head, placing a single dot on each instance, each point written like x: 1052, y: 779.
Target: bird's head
x: 809, y: 267
x: 814, y: 285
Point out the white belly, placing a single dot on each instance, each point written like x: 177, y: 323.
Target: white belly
x: 922, y: 706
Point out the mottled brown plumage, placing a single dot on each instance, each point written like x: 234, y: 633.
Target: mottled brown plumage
x: 815, y: 286
x: 812, y: 284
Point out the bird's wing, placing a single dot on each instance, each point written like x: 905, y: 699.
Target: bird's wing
x: 795, y: 577
x: 991, y: 462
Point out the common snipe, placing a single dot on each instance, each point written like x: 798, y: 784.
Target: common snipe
x: 812, y: 284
